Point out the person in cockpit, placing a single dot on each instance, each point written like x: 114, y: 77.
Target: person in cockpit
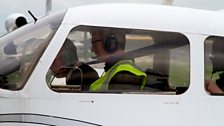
x: 212, y: 87
x: 66, y: 64
x: 65, y: 58
x: 217, y: 59
x: 120, y: 73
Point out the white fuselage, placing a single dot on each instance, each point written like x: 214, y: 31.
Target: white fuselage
x: 37, y: 103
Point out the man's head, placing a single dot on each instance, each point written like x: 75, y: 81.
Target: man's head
x: 106, y: 43
x: 65, y: 58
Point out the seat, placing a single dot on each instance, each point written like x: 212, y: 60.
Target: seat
x: 156, y: 80
x: 125, y: 81
x: 83, y: 75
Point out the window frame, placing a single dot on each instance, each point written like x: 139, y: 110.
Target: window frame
x: 80, y: 27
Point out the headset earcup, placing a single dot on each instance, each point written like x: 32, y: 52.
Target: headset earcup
x: 111, y: 44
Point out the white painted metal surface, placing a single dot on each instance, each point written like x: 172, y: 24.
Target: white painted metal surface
x: 37, y: 103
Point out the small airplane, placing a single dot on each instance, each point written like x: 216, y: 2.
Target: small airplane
x: 177, y: 48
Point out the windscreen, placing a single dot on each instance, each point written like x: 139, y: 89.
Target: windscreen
x: 21, y: 49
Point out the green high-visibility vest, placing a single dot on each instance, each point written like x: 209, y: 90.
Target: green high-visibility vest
x: 124, y: 65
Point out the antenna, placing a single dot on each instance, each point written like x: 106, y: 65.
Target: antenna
x: 34, y: 18
x: 48, y: 6
x: 167, y: 2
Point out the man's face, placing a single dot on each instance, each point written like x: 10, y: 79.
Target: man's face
x: 98, y: 47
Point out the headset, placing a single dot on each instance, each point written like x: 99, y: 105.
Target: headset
x: 110, y: 44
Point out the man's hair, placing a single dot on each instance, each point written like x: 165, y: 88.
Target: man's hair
x: 68, y: 53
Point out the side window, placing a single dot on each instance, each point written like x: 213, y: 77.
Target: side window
x: 115, y: 60
x: 214, y: 65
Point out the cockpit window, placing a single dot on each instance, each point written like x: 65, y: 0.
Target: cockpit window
x: 20, y: 51
x: 214, y: 65
x: 116, y: 60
